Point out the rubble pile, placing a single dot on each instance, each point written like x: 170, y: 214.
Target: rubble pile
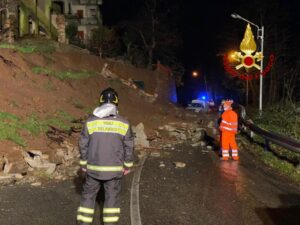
x: 179, y: 133
x: 61, y: 165
x: 170, y: 135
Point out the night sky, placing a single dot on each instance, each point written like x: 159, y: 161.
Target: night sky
x: 202, y: 25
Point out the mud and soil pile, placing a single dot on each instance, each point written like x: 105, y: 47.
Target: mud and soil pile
x: 54, y: 91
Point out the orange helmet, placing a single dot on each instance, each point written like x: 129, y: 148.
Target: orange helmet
x: 228, y: 103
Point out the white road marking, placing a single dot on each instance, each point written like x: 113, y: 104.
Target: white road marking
x: 134, y: 198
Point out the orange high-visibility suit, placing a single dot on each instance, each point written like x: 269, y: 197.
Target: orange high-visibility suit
x: 228, y: 128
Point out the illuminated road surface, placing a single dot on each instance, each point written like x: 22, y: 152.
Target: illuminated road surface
x: 205, y: 192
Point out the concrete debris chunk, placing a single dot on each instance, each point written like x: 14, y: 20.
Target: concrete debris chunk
x: 18, y: 176
x: 179, y: 164
x: 155, y: 154
x: 203, y: 143
x: 45, y: 157
x: 180, y: 131
x: 183, y: 137
x: 36, y: 162
x: 67, y: 154
x: 173, y: 134
x: 178, y: 135
x: 50, y: 167
x: 196, y: 144
x: 36, y: 184
x: 14, y: 176
x: 184, y: 125
x: 140, y: 139
x: 209, y: 147
x: 161, y: 164
x: 7, y: 166
x: 169, y: 128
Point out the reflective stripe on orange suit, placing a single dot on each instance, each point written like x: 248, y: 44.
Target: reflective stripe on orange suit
x: 228, y: 127
x: 228, y: 141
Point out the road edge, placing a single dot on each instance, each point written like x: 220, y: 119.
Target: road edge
x: 134, y: 195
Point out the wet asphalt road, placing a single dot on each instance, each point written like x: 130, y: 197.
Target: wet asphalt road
x: 212, y: 192
x: 207, y: 192
x: 52, y: 204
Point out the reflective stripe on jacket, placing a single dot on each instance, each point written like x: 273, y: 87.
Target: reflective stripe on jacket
x: 229, y: 121
x: 106, y: 146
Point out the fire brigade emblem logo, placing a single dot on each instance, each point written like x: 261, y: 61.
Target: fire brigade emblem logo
x: 246, y: 58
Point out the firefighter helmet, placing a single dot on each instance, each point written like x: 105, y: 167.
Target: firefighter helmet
x: 109, y: 95
x: 228, y: 103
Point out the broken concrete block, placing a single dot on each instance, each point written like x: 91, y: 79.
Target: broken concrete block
x: 169, y: 128
x: 37, y: 162
x: 161, y: 164
x: 179, y: 164
x: 203, y: 143
x: 49, y: 167
x: 140, y: 136
x: 196, y: 144
x: 155, y: 154
x: 7, y: 166
x: 209, y: 147
x: 36, y: 184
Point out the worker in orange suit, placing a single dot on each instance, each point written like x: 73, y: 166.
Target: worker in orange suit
x: 228, y: 128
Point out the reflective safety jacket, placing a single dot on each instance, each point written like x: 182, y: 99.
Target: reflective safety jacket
x: 229, y: 121
x: 106, y: 144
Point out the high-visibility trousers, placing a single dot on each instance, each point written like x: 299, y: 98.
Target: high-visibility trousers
x: 228, y: 142
x: 111, y: 209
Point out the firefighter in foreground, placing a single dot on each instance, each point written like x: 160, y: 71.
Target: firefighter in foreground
x: 106, y: 147
x: 228, y: 128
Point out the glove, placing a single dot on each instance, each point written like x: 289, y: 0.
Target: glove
x: 83, y: 169
x: 126, y: 171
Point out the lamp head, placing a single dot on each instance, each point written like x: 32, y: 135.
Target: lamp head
x: 235, y: 16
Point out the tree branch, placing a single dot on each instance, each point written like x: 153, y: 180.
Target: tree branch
x: 8, y: 5
x: 144, y: 40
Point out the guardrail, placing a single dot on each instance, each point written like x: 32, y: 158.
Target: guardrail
x: 269, y: 136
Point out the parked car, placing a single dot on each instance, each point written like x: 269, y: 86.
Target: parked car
x: 198, y: 106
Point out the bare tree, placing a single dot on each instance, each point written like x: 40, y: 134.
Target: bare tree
x: 150, y: 43
x: 290, y: 82
x: 7, y: 34
x: 7, y: 4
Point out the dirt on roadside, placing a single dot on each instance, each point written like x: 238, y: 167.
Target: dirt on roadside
x: 24, y: 94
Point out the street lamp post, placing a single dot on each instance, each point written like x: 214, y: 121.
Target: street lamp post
x: 260, y: 35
